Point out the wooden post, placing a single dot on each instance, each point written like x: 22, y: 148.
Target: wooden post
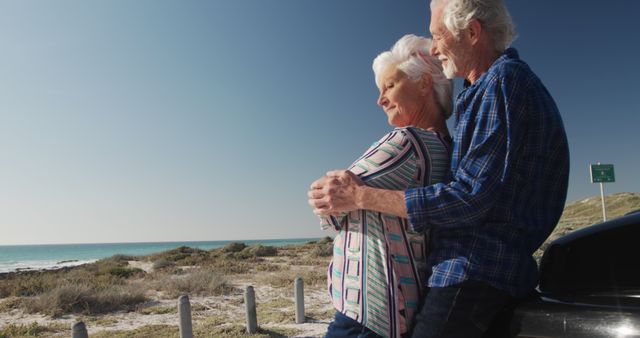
x: 250, y: 305
x: 184, y: 311
x: 299, y: 295
x: 79, y: 330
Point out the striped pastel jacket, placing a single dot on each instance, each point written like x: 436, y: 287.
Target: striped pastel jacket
x: 379, y: 267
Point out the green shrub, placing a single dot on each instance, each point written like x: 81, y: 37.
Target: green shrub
x: 178, y: 256
x: 325, y: 240
x: 121, y: 272
x: 234, y: 247
x: 119, y: 258
x: 254, y: 252
x: 162, y: 263
x: 322, y: 250
x: 263, y: 251
x: 184, y: 254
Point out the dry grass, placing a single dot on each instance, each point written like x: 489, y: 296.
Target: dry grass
x: 200, y: 282
x: 85, y: 299
x: 11, y: 303
x: 149, y: 331
x: 31, y: 330
x: 272, y: 267
x: 582, y: 213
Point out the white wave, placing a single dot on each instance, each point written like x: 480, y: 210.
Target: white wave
x: 40, y: 265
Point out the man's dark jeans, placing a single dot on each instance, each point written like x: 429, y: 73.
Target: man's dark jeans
x: 345, y: 327
x: 466, y: 310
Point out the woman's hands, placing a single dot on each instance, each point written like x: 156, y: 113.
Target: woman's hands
x: 342, y: 191
x: 338, y: 191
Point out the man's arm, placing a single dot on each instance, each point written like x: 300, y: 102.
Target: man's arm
x: 487, y: 161
x: 342, y: 191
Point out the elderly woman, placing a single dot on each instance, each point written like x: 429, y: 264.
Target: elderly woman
x: 378, y: 268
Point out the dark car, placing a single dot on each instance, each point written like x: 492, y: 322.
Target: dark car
x: 589, y: 284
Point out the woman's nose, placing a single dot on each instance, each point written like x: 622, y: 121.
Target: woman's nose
x: 382, y: 100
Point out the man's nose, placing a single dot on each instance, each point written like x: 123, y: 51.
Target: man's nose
x: 433, y: 50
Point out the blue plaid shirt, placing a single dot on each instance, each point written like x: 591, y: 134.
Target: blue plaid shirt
x: 510, y: 170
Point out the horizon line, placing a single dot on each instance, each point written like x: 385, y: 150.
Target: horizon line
x: 166, y: 242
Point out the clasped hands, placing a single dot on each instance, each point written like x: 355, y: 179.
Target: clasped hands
x: 336, y: 192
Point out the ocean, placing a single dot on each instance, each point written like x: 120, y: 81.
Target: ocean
x: 53, y: 256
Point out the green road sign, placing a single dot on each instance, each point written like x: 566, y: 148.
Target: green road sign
x: 602, y: 173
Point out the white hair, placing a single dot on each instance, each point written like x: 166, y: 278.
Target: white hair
x: 411, y: 56
x: 492, y: 15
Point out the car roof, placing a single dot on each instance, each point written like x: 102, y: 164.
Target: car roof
x: 628, y: 219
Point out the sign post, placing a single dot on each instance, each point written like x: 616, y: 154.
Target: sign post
x: 602, y: 173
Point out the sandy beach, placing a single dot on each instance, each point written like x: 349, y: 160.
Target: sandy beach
x: 216, y: 311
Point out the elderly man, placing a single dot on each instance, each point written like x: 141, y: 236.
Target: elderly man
x: 509, y: 176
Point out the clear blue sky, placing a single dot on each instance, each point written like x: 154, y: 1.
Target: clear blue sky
x: 145, y: 120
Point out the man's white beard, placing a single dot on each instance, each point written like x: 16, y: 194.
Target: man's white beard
x: 450, y: 70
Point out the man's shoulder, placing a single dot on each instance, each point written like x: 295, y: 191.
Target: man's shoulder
x: 512, y: 69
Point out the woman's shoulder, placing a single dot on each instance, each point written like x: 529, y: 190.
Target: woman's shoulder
x: 402, y: 138
x: 396, y: 137
x: 425, y: 135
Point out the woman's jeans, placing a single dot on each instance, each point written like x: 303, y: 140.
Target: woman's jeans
x: 345, y: 327
x: 466, y: 310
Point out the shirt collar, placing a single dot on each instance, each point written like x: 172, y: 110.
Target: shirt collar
x: 508, y: 54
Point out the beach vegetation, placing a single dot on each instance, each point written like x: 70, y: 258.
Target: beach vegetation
x: 95, y: 290
x: 325, y: 240
x: 26, y: 283
x: 310, y: 277
x: 147, y: 331
x: 240, y: 331
x: 160, y: 310
x: 262, y: 250
x: 204, y: 282
x: 30, y: 330
x: 178, y: 256
x: 226, y: 265
x: 85, y: 298
x: 163, y: 263
x: 234, y: 247
x: 322, y: 250
x: 279, y: 310
x: 181, y: 256
x: 320, y: 314
x: 119, y: 258
x: 120, y: 271
x: 272, y: 267
x: 10, y: 303
x: 100, y: 320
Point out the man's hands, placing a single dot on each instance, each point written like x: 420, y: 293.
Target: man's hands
x: 338, y: 191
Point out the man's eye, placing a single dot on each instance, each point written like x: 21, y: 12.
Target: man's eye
x: 389, y: 85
